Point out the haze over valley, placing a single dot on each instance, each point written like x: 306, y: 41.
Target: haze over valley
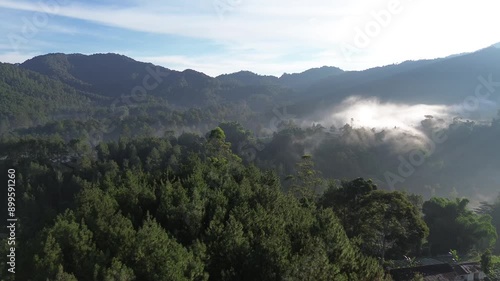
x: 249, y: 140
x: 393, y: 108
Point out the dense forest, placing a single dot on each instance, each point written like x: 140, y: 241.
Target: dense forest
x: 187, y: 208
x: 129, y: 171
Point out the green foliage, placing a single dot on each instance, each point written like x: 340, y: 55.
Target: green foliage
x: 386, y: 223
x: 132, y: 214
x: 486, y: 262
x: 157, y: 256
x: 217, y: 134
x: 390, y: 225
x: 345, y: 200
x: 495, y: 268
x: 63, y: 276
x: 68, y: 243
x: 111, y: 211
x: 118, y: 272
x: 236, y: 135
x: 101, y: 197
x: 28, y: 98
x: 307, y: 183
x: 418, y: 277
x: 90, y: 97
x: 455, y: 255
x: 492, y: 210
x: 453, y: 226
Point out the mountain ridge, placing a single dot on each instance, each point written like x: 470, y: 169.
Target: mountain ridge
x: 444, y: 80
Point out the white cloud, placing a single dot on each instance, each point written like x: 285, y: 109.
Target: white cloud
x: 15, y: 57
x: 63, y: 29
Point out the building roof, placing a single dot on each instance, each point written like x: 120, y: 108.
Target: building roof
x: 467, y: 268
x: 436, y: 272
x: 433, y: 272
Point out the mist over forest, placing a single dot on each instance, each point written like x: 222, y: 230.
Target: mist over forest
x: 245, y: 176
x: 355, y: 123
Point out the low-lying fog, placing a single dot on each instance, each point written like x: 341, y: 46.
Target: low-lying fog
x: 371, y: 113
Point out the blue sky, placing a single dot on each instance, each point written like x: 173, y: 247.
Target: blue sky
x: 266, y: 37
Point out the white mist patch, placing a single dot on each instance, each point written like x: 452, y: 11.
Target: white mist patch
x: 401, y: 124
x: 405, y: 127
x: 371, y: 113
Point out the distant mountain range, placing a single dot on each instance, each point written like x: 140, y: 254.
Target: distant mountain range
x: 113, y: 74
x: 101, y: 78
x: 294, y: 80
x: 108, y: 96
x: 428, y: 81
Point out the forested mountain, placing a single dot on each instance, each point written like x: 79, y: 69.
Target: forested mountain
x: 293, y: 80
x: 28, y: 98
x: 248, y: 78
x: 440, y: 81
x: 115, y: 75
x: 169, y: 209
x: 187, y: 208
x: 105, y: 96
x: 309, y: 77
x: 129, y: 171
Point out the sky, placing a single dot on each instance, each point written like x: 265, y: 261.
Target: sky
x: 266, y: 37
